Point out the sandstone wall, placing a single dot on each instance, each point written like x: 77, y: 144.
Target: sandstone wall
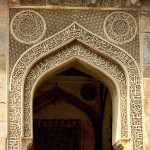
x: 145, y: 66
x: 3, y: 75
x: 145, y: 41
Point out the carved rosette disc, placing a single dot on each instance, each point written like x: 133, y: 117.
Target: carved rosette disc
x: 120, y: 27
x: 28, y: 27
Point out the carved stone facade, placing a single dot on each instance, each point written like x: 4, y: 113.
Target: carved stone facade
x: 93, y: 20
x: 102, y: 38
x: 126, y: 77
x: 80, y: 3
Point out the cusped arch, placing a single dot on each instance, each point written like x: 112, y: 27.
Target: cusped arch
x: 120, y: 66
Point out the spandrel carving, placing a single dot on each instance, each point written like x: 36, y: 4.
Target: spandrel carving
x: 78, y: 32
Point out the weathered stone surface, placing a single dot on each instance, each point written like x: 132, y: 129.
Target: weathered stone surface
x: 145, y: 4
x: 3, y: 3
x: 32, y: 2
x: 3, y: 25
x: 2, y: 61
x: 2, y: 95
x: 147, y: 122
x: 2, y: 86
x: 3, y: 19
x: 145, y: 20
x: 146, y: 71
x: 3, y: 41
x: 3, y: 111
x: 3, y: 129
x: 3, y: 13
x: 146, y: 42
x: 2, y: 143
x: 146, y: 85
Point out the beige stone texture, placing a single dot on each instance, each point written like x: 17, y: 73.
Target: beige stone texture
x: 146, y: 87
x: 2, y: 61
x: 146, y: 71
x: 3, y: 25
x: 145, y: 4
x: 4, y: 28
x: 3, y: 126
x: 2, y: 143
x: 145, y: 21
x: 3, y: 3
x: 3, y: 112
x: 3, y: 86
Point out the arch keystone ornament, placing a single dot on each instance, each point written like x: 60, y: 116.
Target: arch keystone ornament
x: 77, y: 46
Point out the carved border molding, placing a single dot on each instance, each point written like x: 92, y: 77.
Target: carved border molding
x: 74, y: 31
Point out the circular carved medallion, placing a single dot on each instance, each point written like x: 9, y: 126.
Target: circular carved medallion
x: 28, y: 27
x: 120, y: 27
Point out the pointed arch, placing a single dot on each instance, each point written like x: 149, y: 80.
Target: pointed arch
x: 43, y: 58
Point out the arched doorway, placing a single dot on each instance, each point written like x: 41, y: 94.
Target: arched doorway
x: 76, y: 46
x: 73, y: 111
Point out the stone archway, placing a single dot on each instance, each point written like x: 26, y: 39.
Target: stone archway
x: 76, y: 44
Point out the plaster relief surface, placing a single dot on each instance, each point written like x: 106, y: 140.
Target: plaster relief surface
x: 53, y: 42
x: 93, y: 20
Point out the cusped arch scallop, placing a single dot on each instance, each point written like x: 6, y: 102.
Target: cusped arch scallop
x: 91, y: 50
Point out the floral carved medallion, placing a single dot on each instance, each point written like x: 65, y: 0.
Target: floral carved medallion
x: 120, y: 27
x: 28, y: 27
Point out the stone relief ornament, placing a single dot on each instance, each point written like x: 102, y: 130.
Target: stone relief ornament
x: 112, y: 3
x: 58, y: 19
x: 75, y: 3
x: 28, y: 27
x: 120, y: 27
x: 129, y: 83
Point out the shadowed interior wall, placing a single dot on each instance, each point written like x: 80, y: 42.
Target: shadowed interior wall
x: 62, y: 110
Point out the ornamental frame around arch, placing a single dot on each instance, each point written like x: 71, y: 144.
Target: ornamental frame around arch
x: 115, y: 57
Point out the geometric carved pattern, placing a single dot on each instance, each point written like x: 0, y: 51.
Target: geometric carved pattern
x: 33, y: 2
x: 120, y: 27
x: 74, y: 3
x: 113, y: 3
x: 74, y: 31
x: 28, y: 27
x: 57, y: 20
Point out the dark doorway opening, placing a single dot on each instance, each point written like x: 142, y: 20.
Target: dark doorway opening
x: 72, y: 111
